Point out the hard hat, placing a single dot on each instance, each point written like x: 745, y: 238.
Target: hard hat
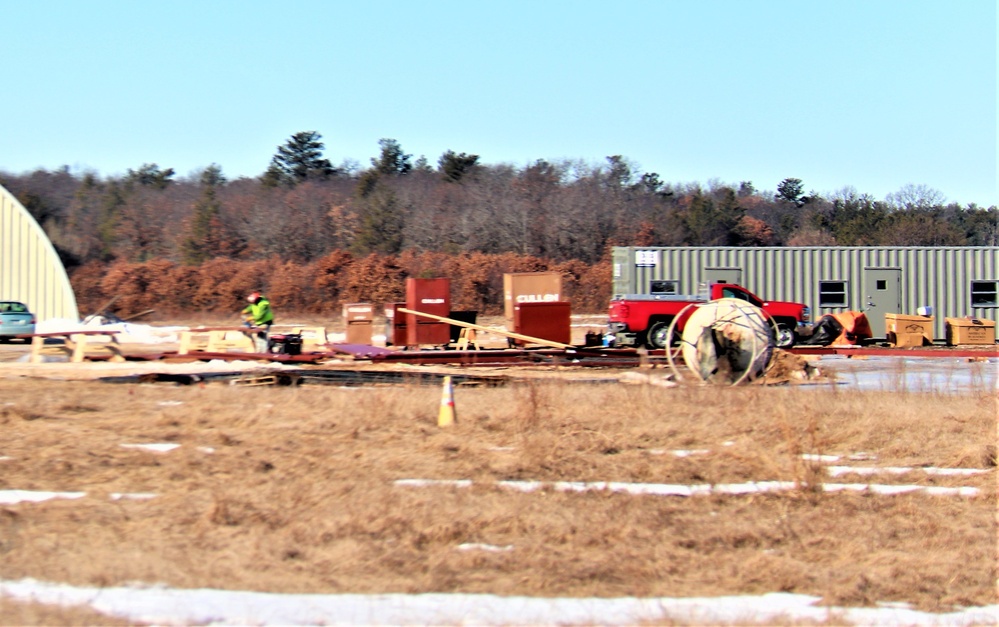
x: 253, y: 297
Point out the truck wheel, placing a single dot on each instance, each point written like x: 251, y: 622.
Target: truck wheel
x: 785, y: 336
x: 658, y: 333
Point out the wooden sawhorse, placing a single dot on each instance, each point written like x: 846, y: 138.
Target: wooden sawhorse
x: 74, y: 344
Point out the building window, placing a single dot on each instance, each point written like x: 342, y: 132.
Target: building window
x: 664, y: 287
x: 985, y: 293
x: 833, y: 294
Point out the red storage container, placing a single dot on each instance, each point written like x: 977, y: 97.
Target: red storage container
x: 432, y: 296
x: 545, y: 321
x: 395, y: 325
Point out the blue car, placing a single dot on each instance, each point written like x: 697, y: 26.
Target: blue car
x: 15, y: 319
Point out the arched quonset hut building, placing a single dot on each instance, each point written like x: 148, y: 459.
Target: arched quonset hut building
x: 955, y: 281
x: 30, y: 269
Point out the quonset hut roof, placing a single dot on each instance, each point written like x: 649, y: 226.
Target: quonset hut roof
x: 30, y: 269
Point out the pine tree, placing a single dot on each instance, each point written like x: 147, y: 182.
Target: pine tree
x: 454, y: 166
x: 299, y: 159
x: 109, y: 219
x: 382, y: 222
x: 204, y: 240
x: 150, y: 175
x: 392, y: 161
x: 791, y: 190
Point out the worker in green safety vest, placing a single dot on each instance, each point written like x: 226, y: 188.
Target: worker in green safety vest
x: 258, y: 314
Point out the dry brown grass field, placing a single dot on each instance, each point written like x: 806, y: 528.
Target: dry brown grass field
x: 292, y: 490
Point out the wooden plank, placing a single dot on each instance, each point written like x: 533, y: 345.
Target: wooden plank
x: 469, y: 325
x: 68, y: 333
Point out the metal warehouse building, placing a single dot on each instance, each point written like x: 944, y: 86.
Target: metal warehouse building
x: 30, y: 269
x: 954, y: 281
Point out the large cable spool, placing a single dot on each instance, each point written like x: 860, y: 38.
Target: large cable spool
x: 726, y: 341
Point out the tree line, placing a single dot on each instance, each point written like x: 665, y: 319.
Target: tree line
x: 303, y: 209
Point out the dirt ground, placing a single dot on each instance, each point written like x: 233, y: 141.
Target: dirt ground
x: 297, y: 490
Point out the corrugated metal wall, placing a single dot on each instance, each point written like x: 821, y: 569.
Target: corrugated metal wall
x: 30, y: 269
x: 938, y: 277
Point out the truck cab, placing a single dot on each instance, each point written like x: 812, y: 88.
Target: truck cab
x: 791, y: 321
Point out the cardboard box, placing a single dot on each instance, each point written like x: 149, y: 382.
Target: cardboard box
x: 908, y: 331
x: 970, y: 331
x: 906, y: 340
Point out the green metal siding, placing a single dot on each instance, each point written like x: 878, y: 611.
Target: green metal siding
x: 939, y: 277
x: 30, y: 269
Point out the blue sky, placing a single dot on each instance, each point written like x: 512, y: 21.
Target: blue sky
x: 873, y: 94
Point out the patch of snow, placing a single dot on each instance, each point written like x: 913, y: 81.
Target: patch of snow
x: 809, y: 457
x: 490, y: 548
x: 13, y: 497
x: 679, y: 452
x: 60, y: 325
x: 836, y: 471
x: 426, y: 483
x: 127, y: 332
x: 168, y: 606
x: 688, y: 453
x: 666, y: 489
x: 156, y: 447
x: 133, y: 496
x: 889, y: 490
x: 862, y: 457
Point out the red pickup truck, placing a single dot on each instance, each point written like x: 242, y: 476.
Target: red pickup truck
x: 644, y: 319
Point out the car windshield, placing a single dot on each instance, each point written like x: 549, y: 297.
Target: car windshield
x: 13, y: 307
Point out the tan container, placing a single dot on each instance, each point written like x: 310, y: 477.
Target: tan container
x: 359, y: 333
x: 529, y: 287
x: 358, y: 312
x: 970, y: 331
x: 907, y: 331
x: 359, y: 318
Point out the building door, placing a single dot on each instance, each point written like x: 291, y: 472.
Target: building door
x: 882, y: 294
x: 723, y: 275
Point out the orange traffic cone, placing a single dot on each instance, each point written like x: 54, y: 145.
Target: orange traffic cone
x: 446, y: 416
